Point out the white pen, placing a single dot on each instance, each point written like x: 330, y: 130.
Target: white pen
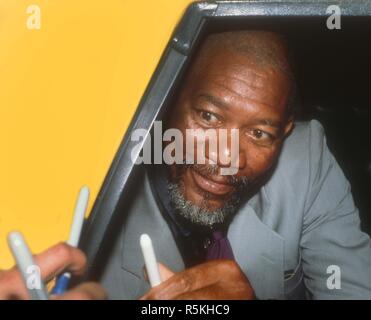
x: 150, y: 260
x: 75, y: 232
x: 26, y: 266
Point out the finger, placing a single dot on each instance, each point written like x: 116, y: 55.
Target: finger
x: 51, y: 262
x: 189, y: 280
x: 206, y: 293
x: 85, y: 291
x: 165, y: 272
x: 12, y: 286
x: 59, y: 258
x: 213, y: 292
x: 145, y: 275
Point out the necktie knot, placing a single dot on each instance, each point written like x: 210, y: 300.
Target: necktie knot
x: 220, y: 247
x: 218, y: 235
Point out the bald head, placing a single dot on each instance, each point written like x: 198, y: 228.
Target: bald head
x: 263, y: 49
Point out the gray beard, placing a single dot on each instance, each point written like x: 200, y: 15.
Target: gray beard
x: 200, y: 215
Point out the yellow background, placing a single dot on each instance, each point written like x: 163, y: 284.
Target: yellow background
x: 67, y: 94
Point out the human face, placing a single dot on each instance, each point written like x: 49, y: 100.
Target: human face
x: 231, y: 92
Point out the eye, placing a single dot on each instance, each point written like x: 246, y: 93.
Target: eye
x: 260, y: 136
x: 209, y: 117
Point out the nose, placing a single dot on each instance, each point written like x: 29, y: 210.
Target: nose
x: 229, y: 153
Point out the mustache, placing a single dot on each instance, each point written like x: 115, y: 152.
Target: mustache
x: 209, y: 170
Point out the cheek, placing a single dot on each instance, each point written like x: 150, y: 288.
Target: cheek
x: 180, y: 116
x: 259, y: 159
x: 182, y: 121
x: 189, y: 122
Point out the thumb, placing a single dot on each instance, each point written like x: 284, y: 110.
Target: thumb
x: 165, y: 272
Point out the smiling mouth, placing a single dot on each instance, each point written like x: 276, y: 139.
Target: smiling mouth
x: 219, y: 187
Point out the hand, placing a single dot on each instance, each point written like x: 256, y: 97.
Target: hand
x: 217, y: 279
x: 52, y: 262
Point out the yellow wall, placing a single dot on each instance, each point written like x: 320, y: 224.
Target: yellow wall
x: 67, y: 94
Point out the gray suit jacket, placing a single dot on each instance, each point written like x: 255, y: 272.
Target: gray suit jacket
x: 284, y: 238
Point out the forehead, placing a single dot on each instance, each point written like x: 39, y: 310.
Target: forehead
x: 240, y: 81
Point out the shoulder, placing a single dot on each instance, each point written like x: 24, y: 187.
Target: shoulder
x: 304, y: 153
x: 306, y: 137
x: 302, y: 150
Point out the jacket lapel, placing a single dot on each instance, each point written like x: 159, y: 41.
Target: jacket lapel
x: 258, y: 249
x: 146, y: 217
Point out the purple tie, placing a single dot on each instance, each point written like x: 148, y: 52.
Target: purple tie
x: 220, y: 248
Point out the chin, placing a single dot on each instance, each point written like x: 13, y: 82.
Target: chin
x: 206, y: 201
x: 196, y: 206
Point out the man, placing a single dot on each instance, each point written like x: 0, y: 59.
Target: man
x: 52, y: 262
x: 283, y: 227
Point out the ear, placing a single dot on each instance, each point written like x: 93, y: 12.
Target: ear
x: 288, y: 127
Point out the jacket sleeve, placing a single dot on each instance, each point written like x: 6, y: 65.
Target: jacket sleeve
x: 336, y: 254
